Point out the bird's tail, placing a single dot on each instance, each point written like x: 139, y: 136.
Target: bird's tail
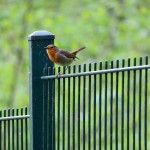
x: 78, y: 50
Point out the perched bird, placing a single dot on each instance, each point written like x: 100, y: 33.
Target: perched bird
x: 60, y: 56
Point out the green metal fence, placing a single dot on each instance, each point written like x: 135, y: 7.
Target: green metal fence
x: 14, y: 129
x: 106, y: 109
x: 98, y: 106
x: 91, y: 106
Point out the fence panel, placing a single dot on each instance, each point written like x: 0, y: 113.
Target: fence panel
x: 101, y: 105
x: 14, y: 129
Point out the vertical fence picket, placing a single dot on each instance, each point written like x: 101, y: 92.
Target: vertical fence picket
x: 21, y: 130
x: 89, y: 110
x: 134, y: 104
x: 8, y: 132
x: 5, y: 131
x: 26, y: 129
x: 105, y: 106
x: 79, y: 90
x: 64, y: 110
x: 69, y: 105
x: 74, y: 114
x: 54, y: 112
x: 17, y: 131
x: 100, y: 107
x: 122, y: 108
x: 58, y: 132
x: 116, y: 119
x: 128, y: 106
x: 94, y: 114
x: 111, y: 108
x: 84, y: 108
x: 145, y: 104
x: 140, y: 98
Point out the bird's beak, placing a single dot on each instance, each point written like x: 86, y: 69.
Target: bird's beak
x: 45, y: 47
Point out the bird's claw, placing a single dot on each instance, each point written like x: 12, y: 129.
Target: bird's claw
x: 58, y: 75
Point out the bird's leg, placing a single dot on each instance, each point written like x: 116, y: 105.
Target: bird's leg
x: 66, y: 67
x: 57, y: 76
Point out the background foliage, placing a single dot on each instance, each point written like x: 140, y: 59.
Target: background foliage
x: 109, y: 30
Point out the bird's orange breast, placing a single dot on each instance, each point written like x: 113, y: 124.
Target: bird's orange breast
x: 53, y: 56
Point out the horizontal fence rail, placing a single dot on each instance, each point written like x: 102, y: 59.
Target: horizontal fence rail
x: 14, y: 129
x: 97, y: 72
x: 14, y: 117
x: 103, y: 106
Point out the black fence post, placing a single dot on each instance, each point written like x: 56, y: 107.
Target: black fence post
x: 38, y: 61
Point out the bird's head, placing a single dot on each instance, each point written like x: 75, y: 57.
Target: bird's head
x: 51, y: 47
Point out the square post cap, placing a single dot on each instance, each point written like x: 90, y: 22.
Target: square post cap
x: 41, y: 35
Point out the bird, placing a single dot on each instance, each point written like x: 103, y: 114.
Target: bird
x: 60, y: 56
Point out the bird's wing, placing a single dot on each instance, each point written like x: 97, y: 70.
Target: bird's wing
x: 66, y: 53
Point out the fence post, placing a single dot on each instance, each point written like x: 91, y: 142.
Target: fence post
x: 38, y: 60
